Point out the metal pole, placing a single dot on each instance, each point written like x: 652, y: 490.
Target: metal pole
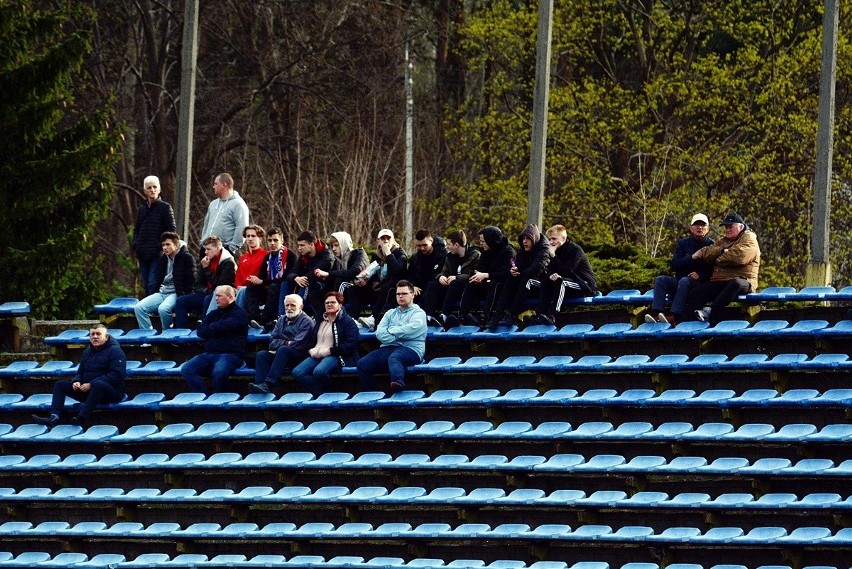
x: 408, y: 214
x: 538, y: 151
x: 186, y: 120
x: 819, y: 265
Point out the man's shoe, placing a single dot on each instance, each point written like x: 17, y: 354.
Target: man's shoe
x: 432, y: 321
x: 259, y: 387
x: 531, y: 319
x: 471, y: 320
x: 493, y: 321
x: 703, y: 315
x: 450, y: 321
x: 663, y: 319
x: 50, y: 421
x: 396, y: 387
x: 507, y: 320
x: 546, y: 319
x: 650, y: 319
x: 255, y: 324
x: 81, y: 421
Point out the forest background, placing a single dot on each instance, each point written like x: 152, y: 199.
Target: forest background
x: 658, y: 109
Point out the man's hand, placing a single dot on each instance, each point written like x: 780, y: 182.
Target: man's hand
x: 204, y: 262
x: 301, y: 281
x: 693, y: 275
x: 320, y: 274
x: 555, y: 277
x: 255, y: 280
x: 514, y: 271
x: 478, y: 277
x: 417, y: 291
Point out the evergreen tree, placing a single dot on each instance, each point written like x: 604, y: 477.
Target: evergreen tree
x: 55, y: 162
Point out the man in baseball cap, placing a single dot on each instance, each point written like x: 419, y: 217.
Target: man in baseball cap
x: 688, y: 272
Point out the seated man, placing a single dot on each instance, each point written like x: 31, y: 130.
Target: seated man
x: 736, y: 260
x: 99, y: 379
x: 249, y: 263
x: 303, y: 279
x: 426, y: 263
x: 216, y: 268
x: 490, y: 274
x: 688, y: 273
x: 568, y: 275
x: 374, y: 284
x: 224, y: 331
x: 268, y: 288
x: 402, y: 333
x: 288, y: 346
x: 530, y: 263
x: 349, y: 263
x: 335, y: 339
x: 445, y: 292
x: 175, y: 277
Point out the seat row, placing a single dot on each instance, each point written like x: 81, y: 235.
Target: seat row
x: 444, y: 495
x: 810, y: 536
x: 564, y: 464
x: 480, y: 431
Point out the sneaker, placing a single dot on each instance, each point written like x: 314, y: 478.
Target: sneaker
x: 450, y: 321
x: 507, y: 320
x: 531, y: 319
x: 650, y: 319
x: 493, y: 321
x: 471, y: 320
x: 703, y: 315
x: 81, y: 421
x: 396, y: 387
x: 663, y: 319
x: 50, y: 421
x: 546, y: 319
x: 255, y: 324
x: 259, y: 387
x: 432, y: 321
x: 367, y: 322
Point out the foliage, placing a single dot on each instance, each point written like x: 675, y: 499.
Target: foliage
x: 54, y: 160
x: 658, y: 109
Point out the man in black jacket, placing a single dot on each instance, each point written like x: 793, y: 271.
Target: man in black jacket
x: 153, y: 218
x: 303, y: 280
x: 175, y: 277
x: 493, y: 270
x: 426, y: 262
x: 224, y: 331
x: 99, y: 379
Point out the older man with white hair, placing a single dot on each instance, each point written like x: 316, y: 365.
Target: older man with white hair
x: 153, y: 218
x: 224, y: 331
x: 291, y: 339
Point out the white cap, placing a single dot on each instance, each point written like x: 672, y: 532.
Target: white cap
x: 699, y: 217
x: 384, y: 232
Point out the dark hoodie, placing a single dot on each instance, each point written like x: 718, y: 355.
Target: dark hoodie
x: 323, y: 259
x: 107, y: 363
x: 533, y: 263
x: 422, y: 269
x: 497, y: 260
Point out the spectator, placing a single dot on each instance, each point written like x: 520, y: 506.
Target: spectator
x: 249, y: 263
x: 269, y: 288
x: 176, y: 275
x: 224, y: 333
x: 217, y: 268
x: 303, y: 279
x: 568, y: 275
x: 736, y: 260
x: 402, y: 333
x: 374, y: 284
x: 227, y: 215
x: 153, y: 218
x: 288, y: 346
x: 335, y: 339
x: 426, y: 262
x: 688, y: 273
x: 530, y: 263
x: 446, y: 291
x: 348, y: 264
x: 99, y: 379
x: 492, y: 270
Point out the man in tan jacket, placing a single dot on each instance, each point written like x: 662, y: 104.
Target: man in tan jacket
x: 735, y: 259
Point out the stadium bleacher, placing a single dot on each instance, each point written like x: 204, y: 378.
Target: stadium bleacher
x: 596, y: 444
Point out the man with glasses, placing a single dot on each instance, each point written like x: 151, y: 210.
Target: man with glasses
x: 402, y: 333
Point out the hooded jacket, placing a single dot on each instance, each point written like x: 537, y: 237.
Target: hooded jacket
x: 226, y: 270
x: 305, y: 266
x: 462, y: 267
x: 184, y: 271
x: 351, y: 262
x: 423, y: 269
x: 226, y: 219
x: 497, y: 260
x: 569, y: 261
x: 345, y: 333
x: 106, y: 363
x: 533, y: 263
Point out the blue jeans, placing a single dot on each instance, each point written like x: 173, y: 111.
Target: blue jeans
x: 393, y: 359
x: 666, y: 287
x: 158, y: 302
x: 269, y: 367
x: 218, y: 366
x: 148, y: 275
x: 101, y: 392
x: 314, y: 375
x: 190, y: 303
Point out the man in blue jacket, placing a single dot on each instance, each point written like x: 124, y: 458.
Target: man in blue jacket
x: 402, y: 333
x: 224, y: 331
x: 288, y: 346
x: 99, y: 379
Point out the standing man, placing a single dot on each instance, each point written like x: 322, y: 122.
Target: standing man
x: 216, y: 268
x: 569, y: 275
x: 688, y: 273
x: 736, y: 260
x: 153, y: 218
x: 303, y: 279
x: 426, y: 262
x: 99, y: 379
x: 335, y: 344
x: 288, y: 346
x: 175, y: 275
x: 224, y: 331
x: 402, y: 333
x: 227, y: 215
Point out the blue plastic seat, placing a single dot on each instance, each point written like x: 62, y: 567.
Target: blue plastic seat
x: 745, y: 361
x: 513, y: 364
x: 648, y: 330
x: 618, y: 296
x: 752, y: 397
x: 665, y: 362
x: 750, y: 431
x: 121, y: 305
x: 725, y: 328
x: 392, y: 430
x: 842, y: 328
x: 610, y: 331
x: 704, y: 362
x: 766, y: 328
x: 438, y: 365
x: 18, y: 368
x: 834, y: 433
x: 476, y: 364
x: 551, y: 363
x: 571, y: 332
x: 535, y: 332
x: 762, y: 535
x: 771, y: 293
x: 814, y: 293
